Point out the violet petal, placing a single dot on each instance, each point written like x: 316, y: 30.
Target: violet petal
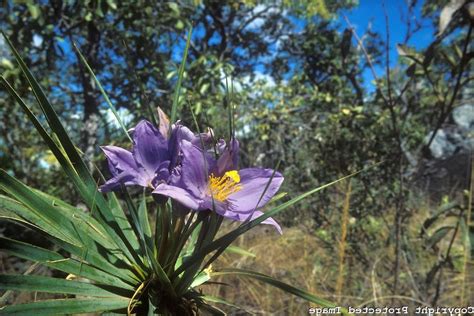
x: 253, y: 182
x: 119, y: 159
x: 178, y: 194
x: 150, y: 147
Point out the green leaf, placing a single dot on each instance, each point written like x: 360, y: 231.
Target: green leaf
x: 47, y: 218
x: 145, y: 222
x: 112, y: 4
x: 72, y: 227
x: 58, y: 152
x: 56, y: 261
x: 438, y: 235
x: 34, y: 10
x: 104, y: 94
x: 219, y: 300
x: 403, y: 50
x: 240, y: 251
x: 277, y: 197
x: 122, y: 220
x: 142, y: 250
x: 83, y: 180
x: 201, y: 278
x: 211, y: 310
x: 445, y: 208
x: 8, y: 294
x: 151, y: 308
x: 174, y: 7
x: 99, y: 261
x: 156, y: 266
x: 89, y: 16
x: 9, y: 209
x: 75, y: 214
x: 34, y: 283
x: 65, y: 306
x: 278, y: 284
x: 447, y: 14
x: 177, y: 91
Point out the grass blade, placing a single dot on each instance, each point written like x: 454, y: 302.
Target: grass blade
x: 122, y: 221
x: 65, y: 306
x: 240, y: 251
x: 219, y: 300
x: 48, y: 218
x: 73, y: 227
x: 83, y: 180
x: 145, y: 222
x: 104, y: 94
x: 13, y: 210
x: 34, y: 283
x: 278, y: 284
x: 174, y: 109
x: 56, y: 261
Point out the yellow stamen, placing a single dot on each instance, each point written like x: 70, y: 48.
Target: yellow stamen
x: 234, y: 175
x: 221, y: 187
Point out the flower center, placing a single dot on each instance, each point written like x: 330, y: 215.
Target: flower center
x: 221, y: 187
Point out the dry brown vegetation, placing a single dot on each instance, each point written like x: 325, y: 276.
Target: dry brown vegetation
x: 301, y: 258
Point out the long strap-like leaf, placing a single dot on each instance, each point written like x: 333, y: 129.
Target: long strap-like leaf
x: 104, y: 94
x: 35, y: 283
x: 279, y: 284
x: 47, y: 214
x: 56, y: 261
x: 177, y: 92
x: 88, y: 187
x: 11, y: 209
x: 65, y: 306
x: 70, y: 228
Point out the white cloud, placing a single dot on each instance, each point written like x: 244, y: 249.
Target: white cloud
x: 239, y: 83
x: 37, y: 40
x: 124, y: 114
x: 259, y: 21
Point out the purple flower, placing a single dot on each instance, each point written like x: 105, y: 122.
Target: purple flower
x: 146, y: 165
x: 207, y: 184
x: 153, y: 158
x: 180, y: 132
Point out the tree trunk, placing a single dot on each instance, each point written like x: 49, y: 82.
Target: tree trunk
x: 91, y: 117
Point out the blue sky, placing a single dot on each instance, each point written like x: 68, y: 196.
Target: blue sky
x: 368, y: 14
x: 371, y: 13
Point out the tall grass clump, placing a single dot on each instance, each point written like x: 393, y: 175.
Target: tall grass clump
x: 144, y: 253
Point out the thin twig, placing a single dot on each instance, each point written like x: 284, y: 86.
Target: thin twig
x: 343, y: 241
x: 446, y: 260
x: 367, y: 57
x: 468, y: 225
